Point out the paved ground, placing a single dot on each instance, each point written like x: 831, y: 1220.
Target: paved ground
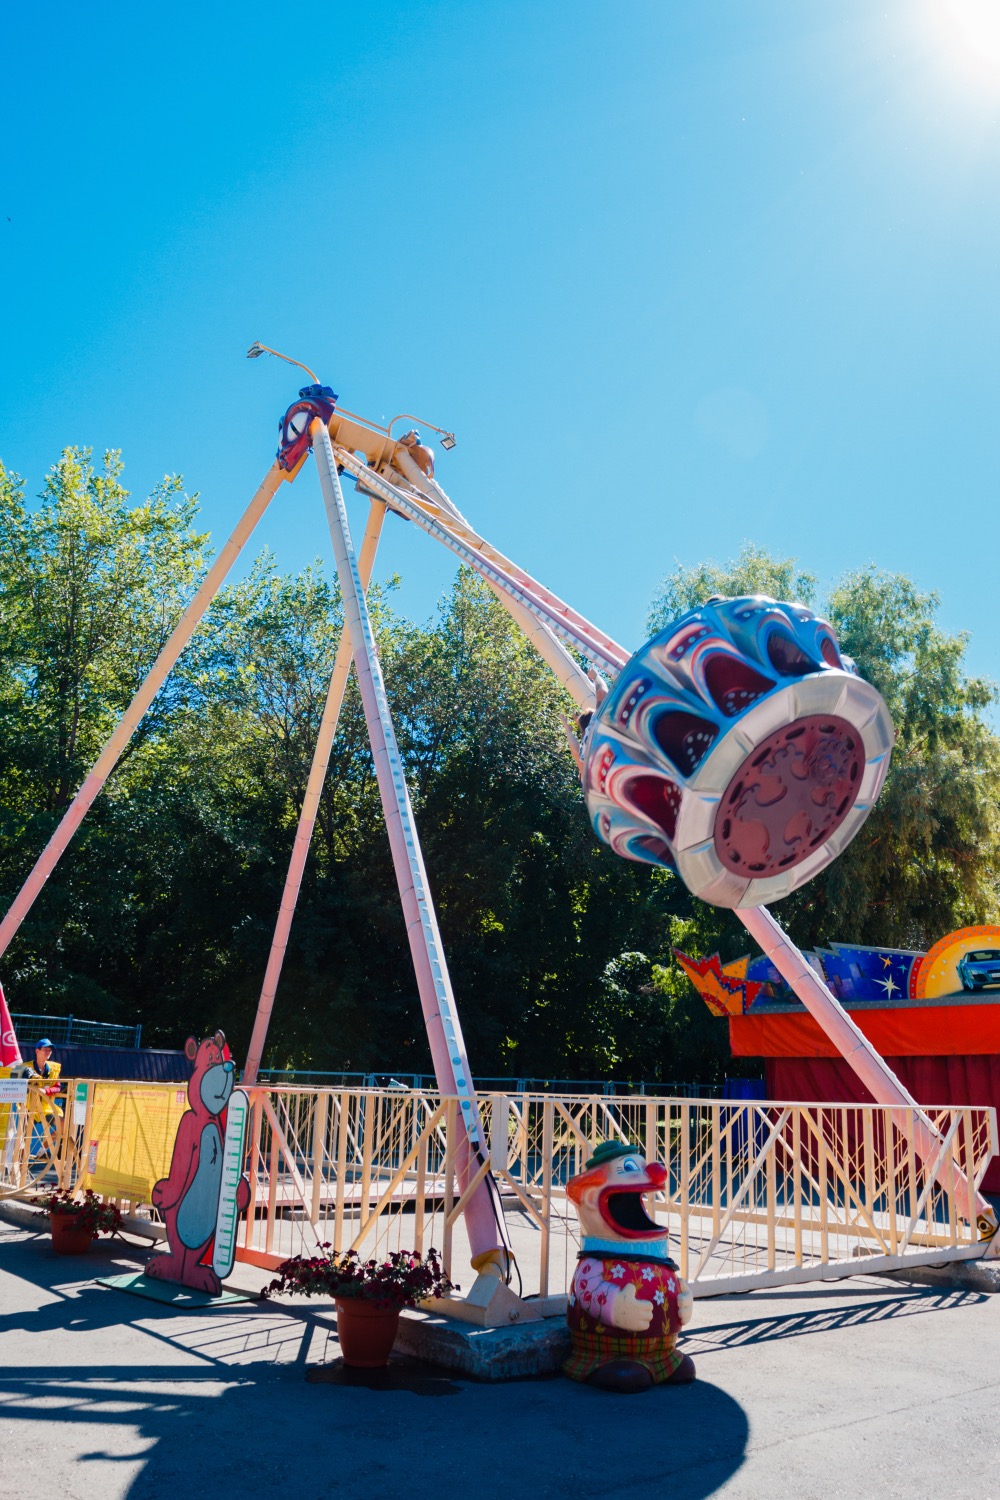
x: 858, y: 1390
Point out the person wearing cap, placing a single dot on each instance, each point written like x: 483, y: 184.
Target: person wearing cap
x: 40, y: 1065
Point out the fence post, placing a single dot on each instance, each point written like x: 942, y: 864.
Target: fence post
x: 253, y: 1168
x: 367, y: 1109
x: 548, y: 1122
x: 771, y: 1189
x: 343, y: 1120
x: 715, y: 1117
x: 797, y: 1170
x: 450, y: 1119
x: 318, y: 1155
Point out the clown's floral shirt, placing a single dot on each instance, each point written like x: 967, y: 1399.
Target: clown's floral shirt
x: 600, y: 1281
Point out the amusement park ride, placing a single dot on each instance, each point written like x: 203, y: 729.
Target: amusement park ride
x: 738, y: 748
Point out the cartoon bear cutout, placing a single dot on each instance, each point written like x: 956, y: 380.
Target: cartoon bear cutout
x: 188, y: 1198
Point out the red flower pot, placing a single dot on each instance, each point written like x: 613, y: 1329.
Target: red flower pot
x: 68, y: 1236
x: 366, y: 1332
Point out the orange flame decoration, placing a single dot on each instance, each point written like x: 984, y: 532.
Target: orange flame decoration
x: 724, y: 988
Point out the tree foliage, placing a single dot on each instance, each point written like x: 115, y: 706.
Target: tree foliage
x: 163, y: 908
x: 753, y: 571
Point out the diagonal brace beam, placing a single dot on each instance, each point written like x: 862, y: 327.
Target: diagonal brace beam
x: 310, y: 807
x: 565, y: 622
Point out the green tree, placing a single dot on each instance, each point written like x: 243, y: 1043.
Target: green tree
x: 753, y: 571
x: 230, y: 782
x: 90, y: 585
x: 926, y: 861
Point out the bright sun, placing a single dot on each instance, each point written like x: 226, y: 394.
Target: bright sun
x: 970, y: 31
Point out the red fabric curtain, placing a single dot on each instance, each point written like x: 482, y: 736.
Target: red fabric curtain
x: 931, y: 1080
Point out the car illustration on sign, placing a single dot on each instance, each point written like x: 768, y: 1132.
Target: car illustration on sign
x: 979, y: 968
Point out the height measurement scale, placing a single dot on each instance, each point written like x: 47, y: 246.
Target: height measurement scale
x: 233, y: 1154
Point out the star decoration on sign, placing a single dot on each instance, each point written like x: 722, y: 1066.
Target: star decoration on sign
x: 889, y: 985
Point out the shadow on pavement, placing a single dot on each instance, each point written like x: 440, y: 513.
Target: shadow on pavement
x: 399, y: 1375
x: 182, y: 1404
x: 225, y: 1336
x: 703, y: 1341
x: 190, y: 1433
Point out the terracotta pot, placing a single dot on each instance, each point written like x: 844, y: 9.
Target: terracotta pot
x: 366, y: 1332
x: 68, y: 1236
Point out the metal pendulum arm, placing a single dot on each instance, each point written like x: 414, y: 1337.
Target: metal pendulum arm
x: 567, y: 672
x: 858, y: 1052
x: 433, y: 981
x: 127, y: 725
x: 564, y: 667
x: 439, y: 517
x: 310, y: 806
x: 850, y: 1041
x: 518, y: 585
x: 528, y: 600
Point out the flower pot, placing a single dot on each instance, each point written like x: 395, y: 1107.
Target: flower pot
x: 69, y: 1237
x: 366, y: 1332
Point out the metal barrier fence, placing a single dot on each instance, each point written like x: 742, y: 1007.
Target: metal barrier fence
x: 60, y: 1029
x: 757, y: 1194
x: 316, y: 1078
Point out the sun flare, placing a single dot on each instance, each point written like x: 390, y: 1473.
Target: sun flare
x: 969, y: 31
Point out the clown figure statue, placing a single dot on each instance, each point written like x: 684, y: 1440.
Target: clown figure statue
x: 627, y: 1303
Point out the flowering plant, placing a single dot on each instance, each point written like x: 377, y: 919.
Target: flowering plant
x: 89, y: 1212
x: 401, y: 1280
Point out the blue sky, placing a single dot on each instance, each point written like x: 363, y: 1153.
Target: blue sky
x: 678, y: 275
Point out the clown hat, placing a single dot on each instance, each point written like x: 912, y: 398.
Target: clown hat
x: 611, y: 1151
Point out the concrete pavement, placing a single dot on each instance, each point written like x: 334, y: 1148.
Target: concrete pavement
x: 863, y: 1389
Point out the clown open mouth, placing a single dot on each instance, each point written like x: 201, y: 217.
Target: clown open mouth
x: 626, y: 1212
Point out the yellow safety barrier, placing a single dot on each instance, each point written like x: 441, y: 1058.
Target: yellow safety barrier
x: 130, y: 1137
x: 33, y: 1141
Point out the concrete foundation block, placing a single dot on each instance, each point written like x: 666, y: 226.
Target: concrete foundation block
x: 513, y: 1353
x: 22, y: 1216
x: 957, y: 1275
